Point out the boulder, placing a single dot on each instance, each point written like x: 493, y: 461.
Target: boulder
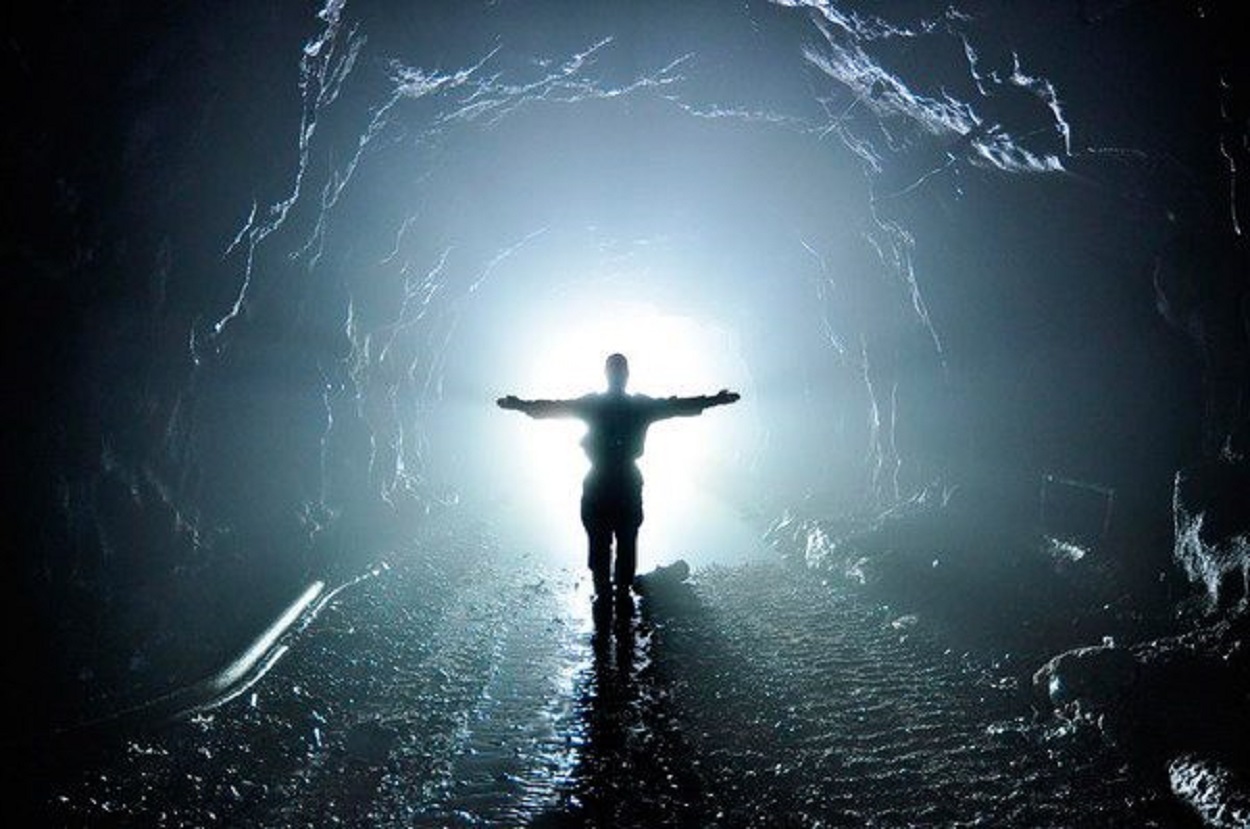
x: 1090, y: 684
x: 1161, y: 698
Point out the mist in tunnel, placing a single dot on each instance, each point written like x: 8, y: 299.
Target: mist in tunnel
x: 273, y: 264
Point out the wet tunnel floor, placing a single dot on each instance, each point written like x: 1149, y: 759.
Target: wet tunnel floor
x: 466, y: 687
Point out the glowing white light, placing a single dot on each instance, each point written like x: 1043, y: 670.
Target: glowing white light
x: 668, y: 355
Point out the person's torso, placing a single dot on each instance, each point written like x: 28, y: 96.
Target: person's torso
x: 616, y: 430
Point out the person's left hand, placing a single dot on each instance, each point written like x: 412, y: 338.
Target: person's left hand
x: 726, y: 396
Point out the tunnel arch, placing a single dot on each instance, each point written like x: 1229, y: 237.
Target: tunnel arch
x: 241, y: 270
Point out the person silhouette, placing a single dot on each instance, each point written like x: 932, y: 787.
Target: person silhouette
x: 612, y: 490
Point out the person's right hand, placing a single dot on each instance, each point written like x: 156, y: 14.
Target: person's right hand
x: 509, y: 402
x: 725, y: 396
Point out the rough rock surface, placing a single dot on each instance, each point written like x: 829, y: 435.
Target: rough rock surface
x: 1177, y: 702
x: 1214, y: 792
x: 1211, y: 511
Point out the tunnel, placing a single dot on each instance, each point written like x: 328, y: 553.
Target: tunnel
x: 967, y: 547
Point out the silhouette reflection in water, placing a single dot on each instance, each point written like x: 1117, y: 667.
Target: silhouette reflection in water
x: 634, y: 764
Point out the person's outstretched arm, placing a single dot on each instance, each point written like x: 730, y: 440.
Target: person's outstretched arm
x: 691, y: 406
x: 540, y: 408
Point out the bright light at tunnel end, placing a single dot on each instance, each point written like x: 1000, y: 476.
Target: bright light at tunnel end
x: 669, y: 354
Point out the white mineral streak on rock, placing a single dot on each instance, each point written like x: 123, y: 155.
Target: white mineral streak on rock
x: 1211, y: 790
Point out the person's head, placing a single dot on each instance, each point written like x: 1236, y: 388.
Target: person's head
x: 617, y: 369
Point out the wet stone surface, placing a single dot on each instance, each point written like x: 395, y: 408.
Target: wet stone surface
x: 462, y: 686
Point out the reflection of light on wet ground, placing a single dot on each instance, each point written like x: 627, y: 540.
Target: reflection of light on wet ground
x: 465, y: 686
x: 563, y: 752
x: 575, y: 602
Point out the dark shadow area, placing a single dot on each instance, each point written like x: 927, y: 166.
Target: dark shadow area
x: 667, y: 739
x: 1003, y: 573
x: 634, y: 764
x: 762, y: 700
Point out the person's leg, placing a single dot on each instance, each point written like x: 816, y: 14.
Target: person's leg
x: 599, y: 560
x: 626, y: 555
x: 599, y: 541
x: 626, y: 522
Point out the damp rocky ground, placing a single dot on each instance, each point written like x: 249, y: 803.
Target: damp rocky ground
x: 465, y: 684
